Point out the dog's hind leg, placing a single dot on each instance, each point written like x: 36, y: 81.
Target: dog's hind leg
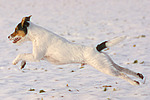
x: 104, y: 63
x: 113, y: 72
x: 110, y: 70
x: 128, y: 71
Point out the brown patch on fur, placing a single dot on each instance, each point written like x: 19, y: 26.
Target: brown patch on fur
x: 18, y: 33
x: 24, y: 19
x: 13, y: 34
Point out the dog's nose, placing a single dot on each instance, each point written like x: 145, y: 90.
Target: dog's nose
x: 8, y: 37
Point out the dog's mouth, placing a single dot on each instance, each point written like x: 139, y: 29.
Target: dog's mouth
x: 15, y: 39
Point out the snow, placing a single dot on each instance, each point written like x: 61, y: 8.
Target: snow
x: 87, y: 22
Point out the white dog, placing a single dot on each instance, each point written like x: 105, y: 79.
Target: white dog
x: 57, y: 50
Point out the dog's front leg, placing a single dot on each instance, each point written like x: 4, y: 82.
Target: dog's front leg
x: 25, y: 57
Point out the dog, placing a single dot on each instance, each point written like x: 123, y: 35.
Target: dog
x: 57, y: 50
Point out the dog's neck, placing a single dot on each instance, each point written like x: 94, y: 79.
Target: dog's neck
x: 35, y: 31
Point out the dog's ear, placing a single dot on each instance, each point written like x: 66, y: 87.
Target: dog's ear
x: 24, y: 19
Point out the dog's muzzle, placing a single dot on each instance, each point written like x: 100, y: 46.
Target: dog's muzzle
x: 15, y: 39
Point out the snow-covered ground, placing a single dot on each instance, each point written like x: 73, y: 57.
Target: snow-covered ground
x: 86, y: 22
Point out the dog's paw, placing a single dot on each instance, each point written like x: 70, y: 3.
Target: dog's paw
x: 140, y: 75
x: 14, y: 62
x: 136, y: 82
x: 23, y: 63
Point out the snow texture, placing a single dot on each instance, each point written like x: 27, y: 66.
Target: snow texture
x: 87, y: 22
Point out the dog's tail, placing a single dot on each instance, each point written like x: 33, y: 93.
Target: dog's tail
x: 109, y: 43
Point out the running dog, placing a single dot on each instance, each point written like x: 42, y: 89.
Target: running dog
x: 57, y: 50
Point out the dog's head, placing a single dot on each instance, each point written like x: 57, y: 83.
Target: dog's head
x: 21, y: 31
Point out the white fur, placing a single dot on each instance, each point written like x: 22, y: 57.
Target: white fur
x: 57, y: 50
x: 115, y: 41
